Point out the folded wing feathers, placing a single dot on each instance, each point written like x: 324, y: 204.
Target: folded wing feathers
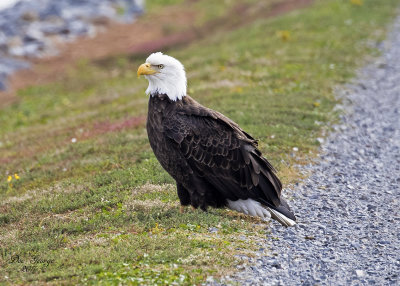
x: 268, y: 172
x: 255, y: 178
x: 256, y: 166
x: 236, y: 151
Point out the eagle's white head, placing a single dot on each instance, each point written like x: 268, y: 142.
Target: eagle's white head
x: 166, y: 75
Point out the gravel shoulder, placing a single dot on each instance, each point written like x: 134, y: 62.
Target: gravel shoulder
x: 348, y: 208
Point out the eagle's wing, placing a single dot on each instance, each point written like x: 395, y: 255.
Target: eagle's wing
x: 218, y: 150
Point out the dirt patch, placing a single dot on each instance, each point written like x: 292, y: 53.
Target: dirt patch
x: 149, y: 188
x: 102, y: 127
x: 287, y: 6
x: 152, y: 32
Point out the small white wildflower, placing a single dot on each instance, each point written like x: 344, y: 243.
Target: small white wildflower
x: 73, y: 140
x: 295, y: 149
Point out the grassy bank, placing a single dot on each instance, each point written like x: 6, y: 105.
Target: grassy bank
x: 82, y: 198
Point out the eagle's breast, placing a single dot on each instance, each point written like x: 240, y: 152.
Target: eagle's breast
x: 166, y: 151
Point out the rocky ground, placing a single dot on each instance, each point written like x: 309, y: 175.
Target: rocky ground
x: 348, y: 210
x: 32, y: 29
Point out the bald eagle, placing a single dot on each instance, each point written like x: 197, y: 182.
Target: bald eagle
x: 213, y: 161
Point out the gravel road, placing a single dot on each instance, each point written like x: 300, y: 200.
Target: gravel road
x: 348, y: 209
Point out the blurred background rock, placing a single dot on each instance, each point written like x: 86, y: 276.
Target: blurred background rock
x: 33, y: 28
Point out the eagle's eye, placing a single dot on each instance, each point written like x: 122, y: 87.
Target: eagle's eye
x: 160, y: 67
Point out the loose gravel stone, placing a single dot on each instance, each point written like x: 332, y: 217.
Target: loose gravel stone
x: 348, y: 210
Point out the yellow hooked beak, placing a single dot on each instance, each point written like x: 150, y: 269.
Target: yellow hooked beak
x: 145, y: 69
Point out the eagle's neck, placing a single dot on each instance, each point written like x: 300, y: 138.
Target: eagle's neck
x: 174, y: 86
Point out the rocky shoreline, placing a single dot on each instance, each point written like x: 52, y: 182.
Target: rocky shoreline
x: 32, y: 28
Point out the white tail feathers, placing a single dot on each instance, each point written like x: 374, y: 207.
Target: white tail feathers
x: 281, y: 218
x: 249, y: 207
x: 254, y: 208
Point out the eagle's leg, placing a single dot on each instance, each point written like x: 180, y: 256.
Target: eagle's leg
x: 184, y: 197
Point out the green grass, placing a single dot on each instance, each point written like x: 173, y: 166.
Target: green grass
x: 102, y: 210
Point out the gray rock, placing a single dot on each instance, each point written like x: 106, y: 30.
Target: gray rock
x: 213, y: 230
